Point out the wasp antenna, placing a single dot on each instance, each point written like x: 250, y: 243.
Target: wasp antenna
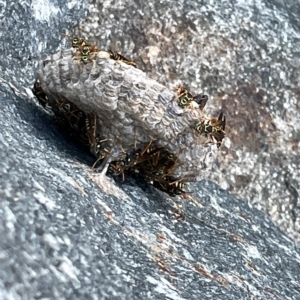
x: 65, y: 34
x: 224, y: 123
x: 222, y: 119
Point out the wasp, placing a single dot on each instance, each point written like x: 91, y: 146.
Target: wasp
x: 87, y: 53
x: 120, y: 166
x: 78, y: 125
x: 140, y: 161
x: 40, y: 94
x: 214, y: 128
x: 78, y: 42
x: 91, y: 132
x: 81, y: 127
x: 94, y: 140
x: 169, y: 162
x: 165, y: 164
x: 153, y: 164
x: 156, y: 164
x: 67, y: 115
x: 85, y: 58
x: 82, y: 45
x: 135, y: 162
x: 139, y: 156
x: 185, y: 98
x: 116, y: 56
x: 116, y: 167
x: 170, y: 185
x: 64, y: 109
x: 86, y: 50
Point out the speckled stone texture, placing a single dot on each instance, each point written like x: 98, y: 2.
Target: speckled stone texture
x: 62, y: 237
x: 245, y: 56
x: 30, y: 31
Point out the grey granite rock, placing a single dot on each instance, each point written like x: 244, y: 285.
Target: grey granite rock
x: 63, y: 237
x: 29, y: 31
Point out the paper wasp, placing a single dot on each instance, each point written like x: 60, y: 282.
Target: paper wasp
x: 64, y: 109
x: 78, y: 42
x: 185, y: 98
x: 157, y: 169
x: 120, y: 166
x: 87, y: 51
x: 154, y: 164
x: 84, y: 58
x: 134, y: 161
x: 170, y: 185
x: 116, y: 56
x: 40, y: 94
x: 93, y: 137
x: 165, y: 165
x: 214, y: 128
x: 116, y: 167
x: 82, y: 45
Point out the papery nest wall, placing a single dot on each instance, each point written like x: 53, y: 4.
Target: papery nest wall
x: 130, y: 108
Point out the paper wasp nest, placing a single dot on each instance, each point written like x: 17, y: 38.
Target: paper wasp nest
x: 131, y: 109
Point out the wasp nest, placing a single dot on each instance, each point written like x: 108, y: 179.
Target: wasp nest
x: 104, y: 100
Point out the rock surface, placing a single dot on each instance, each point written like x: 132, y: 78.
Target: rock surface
x: 62, y: 237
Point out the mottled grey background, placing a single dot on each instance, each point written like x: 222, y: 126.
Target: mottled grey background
x: 62, y: 237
